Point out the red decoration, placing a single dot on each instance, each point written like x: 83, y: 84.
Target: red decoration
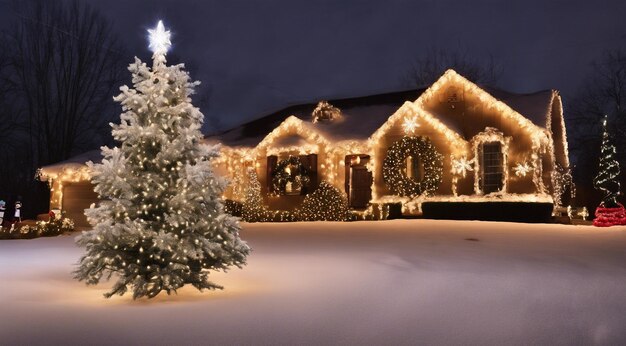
x: 606, y: 217
x: 51, y: 214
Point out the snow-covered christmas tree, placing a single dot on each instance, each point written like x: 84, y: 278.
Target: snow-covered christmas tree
x: 610, y: 212
x: 161, y: 223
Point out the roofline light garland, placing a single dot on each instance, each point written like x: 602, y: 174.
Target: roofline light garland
x: 333, y: 153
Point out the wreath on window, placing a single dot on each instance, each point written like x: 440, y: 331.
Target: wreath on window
x: 394, y: 172
x: 290, y: 173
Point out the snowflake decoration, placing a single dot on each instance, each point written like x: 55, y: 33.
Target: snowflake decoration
x: 461, y: 166
x: 159, y: 39
x: 409, y: 125
x: 521, y: 169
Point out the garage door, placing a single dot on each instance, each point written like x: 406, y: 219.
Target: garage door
x: 76, y: 198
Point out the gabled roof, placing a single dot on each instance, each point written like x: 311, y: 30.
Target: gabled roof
x: 411, y: 109
x: 533, y: 106
x: 365, y: 115
x: 73, y: 162
x: 295, y: 126
x: 361, y: 117
x: 534, y: 130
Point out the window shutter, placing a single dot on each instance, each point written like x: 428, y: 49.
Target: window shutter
x: 272, y: 161
x: 310, y: 162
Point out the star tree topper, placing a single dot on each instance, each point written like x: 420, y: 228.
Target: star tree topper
x: 159, y: 39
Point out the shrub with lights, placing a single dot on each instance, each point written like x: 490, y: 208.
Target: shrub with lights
x: 610, y: 212
x: 394, y: 166
x: 327, y: 203
x: 161, y: 223
x: 53, y: 227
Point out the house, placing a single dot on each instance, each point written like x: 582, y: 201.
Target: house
x: 452, y: 143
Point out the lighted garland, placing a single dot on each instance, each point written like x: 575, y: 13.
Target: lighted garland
x: 283, y: 174
x: 394, y: 173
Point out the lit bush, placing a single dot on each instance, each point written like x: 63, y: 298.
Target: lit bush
x: 326, y: 203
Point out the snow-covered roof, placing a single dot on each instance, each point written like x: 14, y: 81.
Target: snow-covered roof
x: 73, y: 162
x: 362, y: 116
x: 534, y: 106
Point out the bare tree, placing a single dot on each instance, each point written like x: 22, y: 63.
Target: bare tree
x: 427, y: 68
x: 66, y: 66
x: 8, y: 121
x: 603, y: 92
x: 56, y: 86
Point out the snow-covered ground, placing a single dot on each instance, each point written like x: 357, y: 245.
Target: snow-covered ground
x: 392, y: 282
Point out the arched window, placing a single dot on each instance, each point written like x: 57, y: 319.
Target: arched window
x: 490, y: 153
x: 492, y: 172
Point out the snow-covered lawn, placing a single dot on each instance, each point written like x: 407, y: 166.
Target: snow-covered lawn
x: 392, y: 282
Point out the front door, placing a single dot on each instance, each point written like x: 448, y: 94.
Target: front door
x: 360, y: 186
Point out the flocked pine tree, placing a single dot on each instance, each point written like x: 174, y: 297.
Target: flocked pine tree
x: 161, y: 224
x: 610, y: 212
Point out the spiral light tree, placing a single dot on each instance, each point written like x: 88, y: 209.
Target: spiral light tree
x: 610, y: 212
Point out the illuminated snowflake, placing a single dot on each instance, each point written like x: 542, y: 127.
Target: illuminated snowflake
x: 521, y: 169
x: 409, y: 125
x: 461, y: 166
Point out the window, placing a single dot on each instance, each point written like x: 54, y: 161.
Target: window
x: 492, y: 173
x: 414, y: 168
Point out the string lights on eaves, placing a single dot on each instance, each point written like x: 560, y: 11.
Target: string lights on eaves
x: 460, y: 151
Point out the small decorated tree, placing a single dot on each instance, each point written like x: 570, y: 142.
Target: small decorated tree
x: 161, y: 224
x: 610, y: 212
x: 254, y: 209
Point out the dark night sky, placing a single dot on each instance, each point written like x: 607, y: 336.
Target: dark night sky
x: 260, y: 56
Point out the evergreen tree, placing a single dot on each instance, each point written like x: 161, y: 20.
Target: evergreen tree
x: 161, y: 224
x: 607, y: 178
x: 253, y: 209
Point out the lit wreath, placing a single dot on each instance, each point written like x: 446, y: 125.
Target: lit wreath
x: 298, y: 176
x: 395, y: 175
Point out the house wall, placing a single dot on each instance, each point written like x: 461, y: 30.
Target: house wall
x: 471, y: 115
x: 77, y: 197
x: 289, y: 202
x: 396, y: 133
